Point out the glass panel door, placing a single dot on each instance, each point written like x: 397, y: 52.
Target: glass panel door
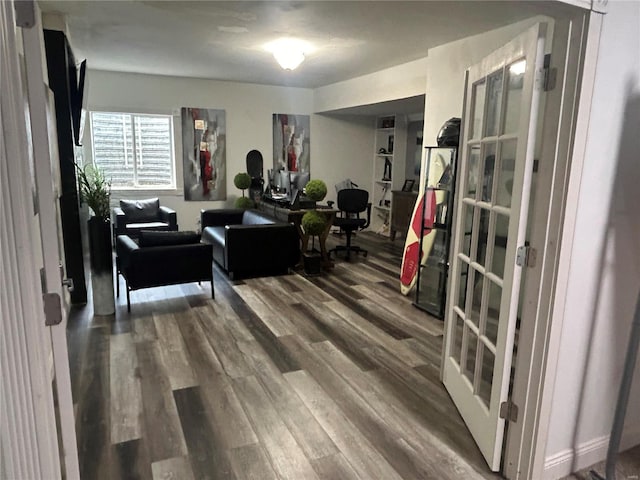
x: 491, y: 201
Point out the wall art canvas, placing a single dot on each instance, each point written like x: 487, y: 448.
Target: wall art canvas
x: 204, y: 154
x: 291, y: 140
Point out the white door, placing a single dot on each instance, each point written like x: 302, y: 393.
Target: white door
x: 492, y: 201
x: 32, y: 243
x: 28, y: 440
x: 47, y: 175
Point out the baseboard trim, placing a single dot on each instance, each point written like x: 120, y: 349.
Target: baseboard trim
x: 593, y: 451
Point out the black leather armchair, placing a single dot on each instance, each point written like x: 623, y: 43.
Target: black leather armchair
x: 352, y: 202
x: 162, y: 258
x: 133, y: 216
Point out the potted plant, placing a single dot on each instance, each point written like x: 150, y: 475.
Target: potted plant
x: 95, y: 191
x: 243, y: 181
x: 313, y: 224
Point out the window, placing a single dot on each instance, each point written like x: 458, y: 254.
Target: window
x: 133, y: 150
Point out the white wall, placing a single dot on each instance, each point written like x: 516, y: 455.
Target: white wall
x: 398, y: 82
x: 604, y: 276
x: 346, y: 150
x: 446, y: 65
x: 340, y: 147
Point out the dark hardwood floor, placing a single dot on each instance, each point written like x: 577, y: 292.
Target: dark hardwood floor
x: 331, y: 377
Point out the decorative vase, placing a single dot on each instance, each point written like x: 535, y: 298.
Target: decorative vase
x: 312, y: 263
x: 100, y: 253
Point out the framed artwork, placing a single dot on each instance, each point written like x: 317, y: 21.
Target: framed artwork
x: 291, y: 140
x: 408, y: 185
x: 204, y: 154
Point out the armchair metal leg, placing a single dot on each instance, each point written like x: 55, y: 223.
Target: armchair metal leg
x: 117, y: 273
x: 128, y: 299
x: 213, y: 275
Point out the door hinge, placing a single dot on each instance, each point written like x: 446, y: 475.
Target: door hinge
x: 526, y: 256
x: 25, y: 13
x: 509, y: 411
x: 52, y: 309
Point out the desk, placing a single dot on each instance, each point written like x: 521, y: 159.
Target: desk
x: 295, y: 216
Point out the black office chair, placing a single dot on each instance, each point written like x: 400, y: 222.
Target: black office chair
x: 351, y: 203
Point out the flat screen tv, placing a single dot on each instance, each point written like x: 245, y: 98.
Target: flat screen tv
x: 79, y: 101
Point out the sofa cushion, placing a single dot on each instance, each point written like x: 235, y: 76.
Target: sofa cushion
x: 141, y: 211
x: 252, y: 217
x: 151, y: 238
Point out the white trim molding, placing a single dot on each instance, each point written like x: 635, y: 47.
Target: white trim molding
x: 584, y: 455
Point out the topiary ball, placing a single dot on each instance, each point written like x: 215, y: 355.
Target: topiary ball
x: 244, y: 203
x: 316, y: 190
x: 242, y: 181
x: 313, y: 223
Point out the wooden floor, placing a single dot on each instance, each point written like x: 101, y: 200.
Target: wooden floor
x: 333, y: 377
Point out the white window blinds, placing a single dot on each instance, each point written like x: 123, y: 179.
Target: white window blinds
x: 133, y: 150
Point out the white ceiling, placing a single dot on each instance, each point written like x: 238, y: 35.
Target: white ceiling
x: 223, y: 40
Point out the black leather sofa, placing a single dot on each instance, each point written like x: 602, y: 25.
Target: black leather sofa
x: 162, y: 258
x: 249, y: 242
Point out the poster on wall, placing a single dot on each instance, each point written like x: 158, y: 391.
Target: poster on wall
x: 204, y: 154
x: 291, y: 140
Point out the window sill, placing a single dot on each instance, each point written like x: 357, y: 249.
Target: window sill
x: 146, y: 192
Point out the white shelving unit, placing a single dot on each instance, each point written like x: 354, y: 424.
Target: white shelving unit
x: 389, y: 158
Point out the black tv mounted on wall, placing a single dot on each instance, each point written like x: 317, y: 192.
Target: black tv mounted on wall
x: 78, y: 96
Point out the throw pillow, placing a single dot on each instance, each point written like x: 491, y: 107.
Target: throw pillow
x: 152, y: 238
x: 141, y: 211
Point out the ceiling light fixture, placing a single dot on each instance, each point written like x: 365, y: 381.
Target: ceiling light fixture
x: 288, y: 52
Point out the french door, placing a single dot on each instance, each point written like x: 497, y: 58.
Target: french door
x: 35, y: 386
x: 492, y: 200
x: 47, y: 182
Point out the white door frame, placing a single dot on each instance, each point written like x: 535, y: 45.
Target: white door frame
x: 28, y: 449
x: 549, y: 327
x: 29, y: 445
x: 575, y: 47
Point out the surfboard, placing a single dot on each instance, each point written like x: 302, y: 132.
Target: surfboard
x: 425, y: 207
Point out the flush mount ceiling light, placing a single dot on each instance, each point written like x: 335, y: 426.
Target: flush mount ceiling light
x: 289, y: 52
